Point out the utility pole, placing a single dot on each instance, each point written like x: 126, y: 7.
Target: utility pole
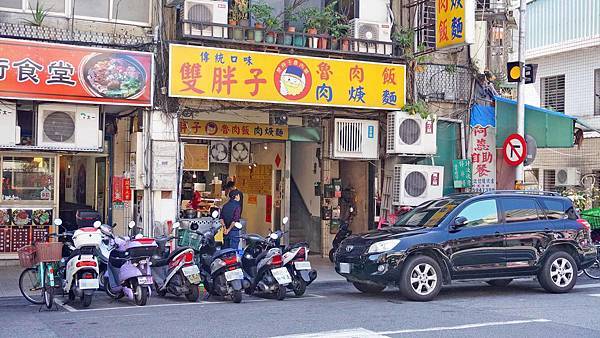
x: 520, y: 174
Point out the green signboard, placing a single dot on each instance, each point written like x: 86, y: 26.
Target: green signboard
x: 461, y: 173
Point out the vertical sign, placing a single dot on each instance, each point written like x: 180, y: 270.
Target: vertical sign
x: 461, y: 173
x: 482, y: 150
x: 454, y: 23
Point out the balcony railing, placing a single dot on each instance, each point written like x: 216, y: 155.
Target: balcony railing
x: 267, y: 39
x: 443, y: 83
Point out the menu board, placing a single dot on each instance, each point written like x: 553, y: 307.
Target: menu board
x: 196, y: 157
x: 20, y: 227
x: 258, y: 180
x: 4, y: 239
x: 19, y: 237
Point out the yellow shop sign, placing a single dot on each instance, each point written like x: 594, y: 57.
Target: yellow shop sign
x: 219, y: 129
x: 227, y: 74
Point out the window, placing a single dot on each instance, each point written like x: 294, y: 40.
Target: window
x: 53, y: 6
x: 27, y: 178
x: 520, y: 210
x: 555, y: 209
x: 14, y: 4
x: 549, y: 180
x: 480, y: 213
x: 92, y: 8
x: 426, y: 24
x: 553, y: 93
x: 131, y: 10
x: 597, y: 92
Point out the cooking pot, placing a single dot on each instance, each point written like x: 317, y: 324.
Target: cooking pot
x: 190, y: 213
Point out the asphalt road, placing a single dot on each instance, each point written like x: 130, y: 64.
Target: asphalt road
x: 332, y: 309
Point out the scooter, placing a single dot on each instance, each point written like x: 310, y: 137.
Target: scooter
x: 128, y: 272
x: 221, y: 269
x: 343, y: 233
x: 263, y: 266
x: 81, y: 271
x: 175, y: 272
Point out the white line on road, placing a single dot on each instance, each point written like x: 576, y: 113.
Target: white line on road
x: 587, y: 286
x: 466, y: 326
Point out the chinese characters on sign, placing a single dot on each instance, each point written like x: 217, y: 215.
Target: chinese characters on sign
x: 482, y: 152
x: 44, y: 71
x: 461, y: 173
x: 226, y: 74
x: 454, y: 19
x: 232, y: 129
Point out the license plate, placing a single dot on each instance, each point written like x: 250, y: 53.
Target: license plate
x: 190, y: 270
x: 85, y: 284
x: 194, y: 278
x: 233, y: 275
x: 302, y: 265
x: 145, y: 280
x: 282, y: 276
x: 344, y: 267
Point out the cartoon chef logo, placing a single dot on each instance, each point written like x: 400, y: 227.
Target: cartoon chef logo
x: 293, y: 79
x: 211, y: 128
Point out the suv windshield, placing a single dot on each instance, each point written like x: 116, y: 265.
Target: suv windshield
x: 430, y: 214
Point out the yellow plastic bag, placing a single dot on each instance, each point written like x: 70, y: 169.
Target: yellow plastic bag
x: 219, y: 235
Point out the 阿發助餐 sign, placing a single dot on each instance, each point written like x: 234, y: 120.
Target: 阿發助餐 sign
x: 54, y: 72
x: 227, y: 74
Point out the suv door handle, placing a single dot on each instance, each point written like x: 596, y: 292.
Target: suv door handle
x: 547, y: 230
x: 498, y: 234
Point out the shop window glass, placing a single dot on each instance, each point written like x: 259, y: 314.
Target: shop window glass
x: 53, y: 6
x: 131, y: 10
x: 92, y: 8
x: 27, y: 178
x: 13, y: 4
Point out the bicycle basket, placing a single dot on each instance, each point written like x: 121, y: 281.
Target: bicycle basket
x: 49, y: 252
x: 593, y: 217
x: 27, y: 256
x: 188, y: 238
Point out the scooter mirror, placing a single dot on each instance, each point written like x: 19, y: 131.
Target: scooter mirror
x: 285, y: 220
x: 58, y: 222
x: 97, y: 224
x: 131, y: 225
x: 237, y: 225
x: 215, y: 214
x: 273, y: 236
x: 176, y: 225
x: 351, y: 209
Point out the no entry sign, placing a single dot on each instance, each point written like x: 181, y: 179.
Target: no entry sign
x: 515, y: 149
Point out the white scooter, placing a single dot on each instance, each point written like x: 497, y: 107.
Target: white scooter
x: 81, y: 272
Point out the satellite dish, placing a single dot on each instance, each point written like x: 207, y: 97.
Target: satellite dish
x: 531, y: 150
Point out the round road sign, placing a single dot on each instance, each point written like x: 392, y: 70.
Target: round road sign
x: 515, y: 149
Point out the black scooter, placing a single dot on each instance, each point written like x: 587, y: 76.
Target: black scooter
x: 343, y: 233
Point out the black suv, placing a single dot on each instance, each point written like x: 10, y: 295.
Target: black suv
x: 496, y: 236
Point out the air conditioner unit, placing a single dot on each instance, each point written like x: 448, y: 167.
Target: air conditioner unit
x: 240, y: 152
x: 219, y: 152
x: 415, y: 184
x: 205, y: 11
x: 366, y: 30
x: 10, y: 133
x: 408, y: 134
x: 69, y: 127
x: 355, y: 139
x: 567, y: 177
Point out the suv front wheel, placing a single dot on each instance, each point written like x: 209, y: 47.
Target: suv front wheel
x: 559, y: 273
x: 421, y: 278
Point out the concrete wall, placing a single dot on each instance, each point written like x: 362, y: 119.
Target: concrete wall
x: 304, y: 160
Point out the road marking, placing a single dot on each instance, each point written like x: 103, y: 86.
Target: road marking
x: 466, y: 326
x: 594, y: 294
x: 587, y: 286
x: 254, y: 300
x: 349, y: 333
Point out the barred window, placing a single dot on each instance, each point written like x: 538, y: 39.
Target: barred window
x: 549, y: 180
x: 553, y: 93
x: 597, y: 92
x: 426, y: 24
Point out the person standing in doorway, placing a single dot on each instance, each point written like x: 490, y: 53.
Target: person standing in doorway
x: 230, y: 214
x: 229, y: 187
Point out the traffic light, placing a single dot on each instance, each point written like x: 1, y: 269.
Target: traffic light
x: 513, y: 71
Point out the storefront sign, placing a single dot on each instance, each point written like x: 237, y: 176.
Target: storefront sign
x: 482, y: 151
x: 252, y: 199
x: 32, y: 70
x: 461, y: 173
x: 236, y: 130
x: 117, y: 189
x: 256, y: 180
x: 454, y: 23
x: 226, y: 74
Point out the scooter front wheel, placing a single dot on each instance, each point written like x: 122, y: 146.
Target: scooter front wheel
x: 140, y: 296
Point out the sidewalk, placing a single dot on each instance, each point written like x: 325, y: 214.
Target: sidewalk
x: 325, y: 270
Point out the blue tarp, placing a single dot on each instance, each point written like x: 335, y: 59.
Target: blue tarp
x: 484, y: 116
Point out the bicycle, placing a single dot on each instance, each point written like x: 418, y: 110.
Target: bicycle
x: 38, y: 281
x: 593, y: 271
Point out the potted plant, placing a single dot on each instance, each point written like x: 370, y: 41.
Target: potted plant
x: 311, y: 17
x: 261, y: 13
x: 339, y: 33
x: 237, y: 16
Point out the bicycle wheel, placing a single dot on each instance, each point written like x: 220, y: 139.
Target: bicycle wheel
x: 594, y: 270
x: 31, y: 287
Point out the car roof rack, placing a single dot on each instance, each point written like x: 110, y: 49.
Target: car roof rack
x: 525, y: 192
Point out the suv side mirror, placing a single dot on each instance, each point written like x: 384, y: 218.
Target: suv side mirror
x: 459, y: 222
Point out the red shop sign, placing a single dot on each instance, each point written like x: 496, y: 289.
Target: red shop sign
x: 117, y: 191
x: 56, y: 72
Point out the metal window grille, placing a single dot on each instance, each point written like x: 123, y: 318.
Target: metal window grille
x: 597, y: 92
x: 553, y: 93
x: 549, y: 180
x: 426, y: 24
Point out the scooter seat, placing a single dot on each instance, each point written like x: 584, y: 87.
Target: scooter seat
x: 158, y: 262
x: 295, y: 245
x: 223, y: 252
